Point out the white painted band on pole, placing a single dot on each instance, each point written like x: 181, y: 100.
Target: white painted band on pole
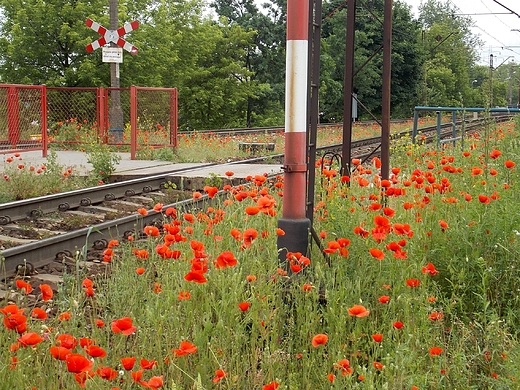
x: 296, y: 86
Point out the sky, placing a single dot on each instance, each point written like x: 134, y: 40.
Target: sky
x: 493, y: 23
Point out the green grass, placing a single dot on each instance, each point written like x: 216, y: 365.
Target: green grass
x: 453, y: 286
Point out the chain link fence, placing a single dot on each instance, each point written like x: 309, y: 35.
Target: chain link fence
x: 22, y: 116
x: 129, y: 119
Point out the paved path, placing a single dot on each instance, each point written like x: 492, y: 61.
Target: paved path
x: 128, y: 168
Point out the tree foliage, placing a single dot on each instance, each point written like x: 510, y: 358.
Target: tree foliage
x: 228, y: 59
x: 450, y: 52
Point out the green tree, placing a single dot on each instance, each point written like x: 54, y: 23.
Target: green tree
x: 43, y: 42
x: 264, y: 59
x: 450, y: 50
x: 216, y: 90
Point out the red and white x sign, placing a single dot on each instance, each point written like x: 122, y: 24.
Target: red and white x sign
x: 115, y: 36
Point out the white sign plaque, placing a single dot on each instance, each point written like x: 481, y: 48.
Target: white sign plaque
x: 112, y: 54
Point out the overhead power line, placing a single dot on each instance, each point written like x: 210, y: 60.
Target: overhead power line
x: 509, y: 9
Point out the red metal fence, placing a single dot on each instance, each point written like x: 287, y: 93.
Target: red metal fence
x: 130, y: 119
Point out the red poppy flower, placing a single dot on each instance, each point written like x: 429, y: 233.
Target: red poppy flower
x: 142, y: 211
x: 436, y: 316
x: 113, y: 243
x: 154, y: 383
x: 185, y: 348
x: 319, y: 339
x: 244, y: 306
x: 147, y: 364
x: 189, y: 218
x: 344, y: 366
x: 100, y: 323
x: 383, y: 299
x: 430, y: 269
x: 38, y: 313
x: 152, y: 231
x: 85, y: 342
x: 398, y: 324
x: 377, y: 253
x: 24, y: 286
x: 59, y: 353
x: 95, y: 351
x: 137, y: 376
x: 89, y: 292
x: 509, y: 164
x: 332, y: 246
x: 226, y: 259
x: 66, y: 341
x: 434, y: 351
x: 31, y: 338
x: 413, y: 282
x: 443, y: 224
x: 46, y: 291
x: 475, y: 171
x: 124, y: 326
x: 495, y: 154
x: 219, y: 375
x: 157, y: 288
x: 484, y: 199
x: 271, y: 386
x: 361, y: 231
x: 211, y: 191
x: 307, y: 287
x: 128, y: 363
x: 249, y: 236
x: 377, y: 365
x: 86, y: 283
x: 107, y: 373
x: 77, y: 363
x: 196, y: 277
x: 184, y: 296
x: 158, y: 207
x: 378, y: 337
x: 358, y: 311
x: 252, y: 210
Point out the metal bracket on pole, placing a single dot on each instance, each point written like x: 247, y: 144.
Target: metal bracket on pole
x: 294, y: 167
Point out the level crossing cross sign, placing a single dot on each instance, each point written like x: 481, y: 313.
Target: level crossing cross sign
x: 115, y: 36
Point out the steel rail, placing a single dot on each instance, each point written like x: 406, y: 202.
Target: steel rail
x: 42, y: 252
x: 73, y: 244
x: 35, y: 207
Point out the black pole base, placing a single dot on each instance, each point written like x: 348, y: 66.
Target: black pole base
x: 296, y: 238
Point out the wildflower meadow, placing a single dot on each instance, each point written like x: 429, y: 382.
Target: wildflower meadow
x: 415, y: 284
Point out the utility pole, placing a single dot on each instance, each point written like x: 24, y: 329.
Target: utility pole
x: 387, y: 76
x: 491, y: 81
x: 115, y: 112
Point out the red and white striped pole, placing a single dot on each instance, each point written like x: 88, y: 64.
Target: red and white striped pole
x: 294, y: 222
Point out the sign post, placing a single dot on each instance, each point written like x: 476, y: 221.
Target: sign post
x: 113, y: 55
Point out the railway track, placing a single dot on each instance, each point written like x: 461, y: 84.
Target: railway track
x: 110, y: 212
